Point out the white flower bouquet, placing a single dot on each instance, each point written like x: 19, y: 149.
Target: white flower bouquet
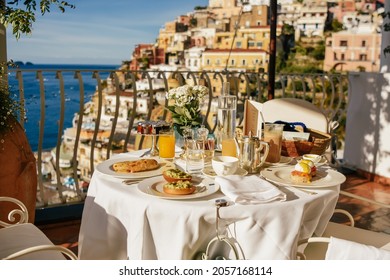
x: 184, y: 104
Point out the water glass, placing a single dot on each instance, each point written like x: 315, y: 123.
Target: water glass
x: 209, y: 149
x: 194, y: 157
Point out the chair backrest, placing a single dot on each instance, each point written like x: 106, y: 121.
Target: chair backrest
x: 295, y: 110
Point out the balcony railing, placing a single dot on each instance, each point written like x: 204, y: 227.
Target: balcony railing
x: 77, y: 118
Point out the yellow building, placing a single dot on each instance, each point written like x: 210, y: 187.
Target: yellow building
x: 240, y: 60
x: 256, y: 38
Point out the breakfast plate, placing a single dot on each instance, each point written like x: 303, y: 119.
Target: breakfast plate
x: 106, y: 168
x: 209, y: 171
x: 154, y: 187
x: 323, y: 179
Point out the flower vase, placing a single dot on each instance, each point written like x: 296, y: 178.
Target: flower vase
x: 182, y: 133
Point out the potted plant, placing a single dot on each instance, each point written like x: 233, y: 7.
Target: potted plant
x: 18, y: 175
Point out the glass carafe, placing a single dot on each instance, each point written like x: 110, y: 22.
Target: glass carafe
x: 226, y: 118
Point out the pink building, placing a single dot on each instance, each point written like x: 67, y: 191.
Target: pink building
x: 347, y: 51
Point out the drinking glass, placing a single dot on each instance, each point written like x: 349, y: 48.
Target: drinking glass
x: 209, y: 149
x: 229, y: 147
x: 194, y: 157
x: 166, y: 144
x: 273, y: 134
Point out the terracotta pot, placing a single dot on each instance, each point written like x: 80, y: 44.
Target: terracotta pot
x: 18, y: 175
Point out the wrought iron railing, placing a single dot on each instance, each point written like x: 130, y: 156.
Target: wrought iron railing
x: 89, y: 108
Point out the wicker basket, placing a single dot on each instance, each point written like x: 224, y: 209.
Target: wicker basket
x: 317, y: 144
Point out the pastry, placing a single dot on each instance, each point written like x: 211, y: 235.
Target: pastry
x: 135, y: 166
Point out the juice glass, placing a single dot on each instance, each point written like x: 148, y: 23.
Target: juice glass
x: 166, y: 144
x: 229, y: 147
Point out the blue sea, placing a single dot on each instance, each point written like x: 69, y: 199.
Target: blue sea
x: 53, y: 98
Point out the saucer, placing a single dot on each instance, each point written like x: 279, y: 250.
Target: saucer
x: 209, y: 171
x: 283, y: 161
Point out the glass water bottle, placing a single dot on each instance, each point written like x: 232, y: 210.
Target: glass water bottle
x: 226, y: 121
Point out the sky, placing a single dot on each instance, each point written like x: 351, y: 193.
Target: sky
x: 96, y: 31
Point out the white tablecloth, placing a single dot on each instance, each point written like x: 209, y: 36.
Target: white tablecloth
x: 120, y: 222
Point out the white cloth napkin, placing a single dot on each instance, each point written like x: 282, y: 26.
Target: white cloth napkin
x: 340, y: 249
x: 249, y: 189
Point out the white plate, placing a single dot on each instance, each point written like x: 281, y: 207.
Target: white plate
x: 106, y: 168
x: 323, y: 178
x: 322, y: 161
x: 209, y: 171
x: 154, y: 187
x: 283, y: 161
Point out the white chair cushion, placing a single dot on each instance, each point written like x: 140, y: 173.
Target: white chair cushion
x: 341, y: 249
x: 19, y: 237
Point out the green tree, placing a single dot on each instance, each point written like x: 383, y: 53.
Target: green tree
x: 336, y: 26
x: 22, y: 14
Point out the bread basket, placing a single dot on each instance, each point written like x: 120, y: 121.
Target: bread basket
x: 317, y: 144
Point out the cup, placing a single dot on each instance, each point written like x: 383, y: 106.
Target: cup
x: 224, y: 165
x: 313, y: 157
x: 194, y: 157
x: 273, y: 134
x: 166, y: 144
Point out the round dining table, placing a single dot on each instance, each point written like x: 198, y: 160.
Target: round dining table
x: 122, y: 221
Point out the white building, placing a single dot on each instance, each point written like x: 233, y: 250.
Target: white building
x: 312, y: 19
x: 193, y: 58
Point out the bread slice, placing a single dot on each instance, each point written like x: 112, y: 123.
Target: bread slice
x: 135, y: 166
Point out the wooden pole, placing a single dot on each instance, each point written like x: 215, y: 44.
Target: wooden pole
x: 272, y: 49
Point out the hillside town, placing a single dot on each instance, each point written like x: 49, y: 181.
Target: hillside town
x: 313, y: 36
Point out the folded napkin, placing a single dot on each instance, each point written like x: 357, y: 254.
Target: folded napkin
x: 249, y: 189
x: 340, y: 249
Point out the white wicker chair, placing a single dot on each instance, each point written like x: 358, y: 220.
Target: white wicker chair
x: 22, y: 240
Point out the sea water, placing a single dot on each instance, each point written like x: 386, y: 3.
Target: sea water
x: 52, y: 97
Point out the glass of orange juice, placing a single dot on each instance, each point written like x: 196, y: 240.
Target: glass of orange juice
x: 229, y: 147
x: 166, y: 144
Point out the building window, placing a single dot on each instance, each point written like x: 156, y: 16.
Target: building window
x: 247, y: 23
x: 251, y: 44
x: 363, y: 43
x: 238, y: 45
x: 342, y: 56
x: 343, y: 43
x: 258, y: 23
x: 195, y: 63
x: 259, y: 12
x: 218, y: 62
x: 189, y: 62
x: 363, y: 57
x: 233, y: 62
x: 334, y: 56
x: 259, y: 45
x: 243, y: 62
x: 207, y: 61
